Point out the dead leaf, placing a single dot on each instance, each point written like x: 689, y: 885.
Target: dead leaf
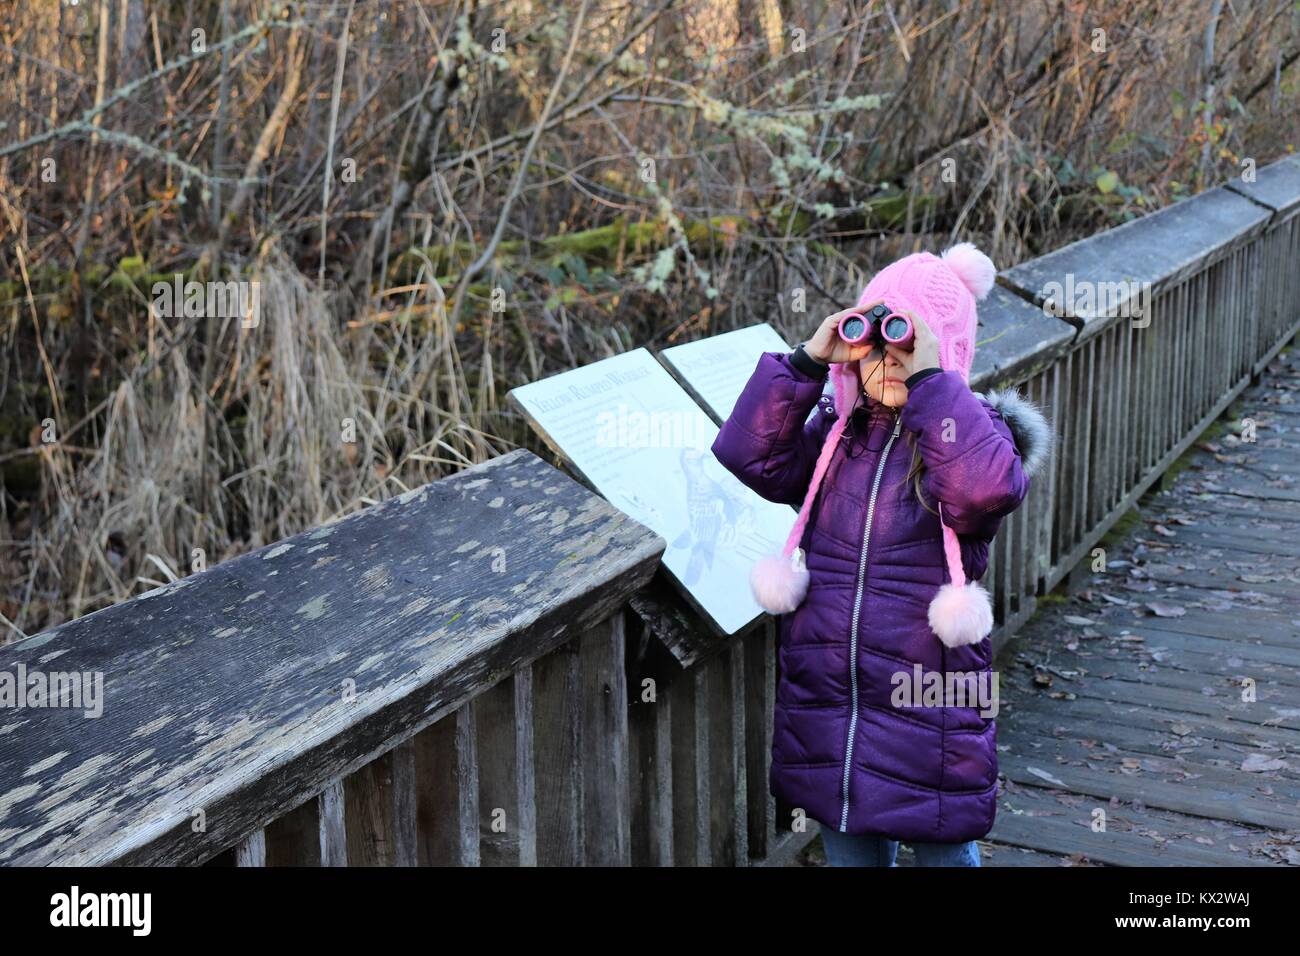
x: 1262, y: 763
x: 1160, y: 609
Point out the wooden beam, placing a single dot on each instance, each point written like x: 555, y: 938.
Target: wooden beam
x: 246, y: 689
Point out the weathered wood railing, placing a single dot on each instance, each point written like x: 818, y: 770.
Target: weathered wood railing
x: 1219, y: 277
x: 492, y: 669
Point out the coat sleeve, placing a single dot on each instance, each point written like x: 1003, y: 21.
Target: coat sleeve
x: 972, y: 464
x: 768, y: 442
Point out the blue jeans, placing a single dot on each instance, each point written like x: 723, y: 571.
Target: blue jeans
x: 872, y: 849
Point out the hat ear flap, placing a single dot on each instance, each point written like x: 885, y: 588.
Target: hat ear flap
x: 845, y: 377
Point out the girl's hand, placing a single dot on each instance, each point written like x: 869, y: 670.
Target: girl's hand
x: 925, y: 348
x: 826, y: 346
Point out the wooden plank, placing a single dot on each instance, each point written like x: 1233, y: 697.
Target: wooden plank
x: 1121, y: 749
x: 404, y: 789
x: 691, y: 796
x: 251, y: 851
x: 447, y: 791
x: 368, y: 809
x: 333, y: 837
x: 1250, y: 637
x: 1159, y: 720
x: 507, y: 801
x: 1015, y: 339
x: 557, y: 756
x: 760, y: 689
x: 1001, y: 855
x: 379, y: 810
x: 294, y: 839
x: 1276, y: 186
x: 650, y: 763
x: 311, y: 656
x: 1158, y: 249
x: 606, y: 797
x: 729, y: 830
x: 1202, y: 801
x: 791, y: 844
x: 1071, y: 834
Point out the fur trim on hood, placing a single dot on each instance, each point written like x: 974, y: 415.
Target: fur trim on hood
x: 1034, y: 436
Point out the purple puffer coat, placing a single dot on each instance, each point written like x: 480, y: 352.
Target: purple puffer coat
x: 915, y: 773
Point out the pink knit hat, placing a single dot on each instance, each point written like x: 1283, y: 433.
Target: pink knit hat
x: 943, y: 291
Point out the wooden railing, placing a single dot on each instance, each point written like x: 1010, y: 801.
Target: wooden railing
x: 493, y: 669
x: 1219, y: 275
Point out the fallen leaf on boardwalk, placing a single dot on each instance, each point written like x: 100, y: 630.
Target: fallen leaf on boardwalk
x: 1262, y: 763
x: 1162, y: 530
x: 1044, y: 775
x: 1181, y: 729
x: 1281, y: 715
x: 1160, y: 609
x: 1214, y: 605
x: 1078, y: 621
x: 1138, y: 585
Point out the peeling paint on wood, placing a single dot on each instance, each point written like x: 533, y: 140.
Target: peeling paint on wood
x: 241, y: 729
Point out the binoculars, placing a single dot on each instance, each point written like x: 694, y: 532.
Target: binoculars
x: 879, y: 325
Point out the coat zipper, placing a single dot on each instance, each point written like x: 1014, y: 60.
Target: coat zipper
x: 857, y: 607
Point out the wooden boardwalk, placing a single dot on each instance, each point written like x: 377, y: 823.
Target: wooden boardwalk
x: 1127, y: 704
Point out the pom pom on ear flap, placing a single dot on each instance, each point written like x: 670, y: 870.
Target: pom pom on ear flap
x: 973, y: 267
x: 961, y: 614
x: 779, y: 582
x: 962, y: 611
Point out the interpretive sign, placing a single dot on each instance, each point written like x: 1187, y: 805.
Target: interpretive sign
x: 633, y: 434
x: 715, y: 370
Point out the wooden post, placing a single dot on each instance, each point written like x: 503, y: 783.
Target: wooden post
x: 447, y: 792
x: 606, y: 798
x: 557, y: 756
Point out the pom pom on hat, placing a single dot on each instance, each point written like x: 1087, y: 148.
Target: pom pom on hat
x: 973, y: 267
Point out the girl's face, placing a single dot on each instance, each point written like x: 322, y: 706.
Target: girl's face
x: 882, y: 378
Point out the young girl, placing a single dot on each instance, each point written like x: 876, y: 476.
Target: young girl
x: 903, y: 480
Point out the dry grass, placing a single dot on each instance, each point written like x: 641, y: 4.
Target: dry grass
x: 179, y: 434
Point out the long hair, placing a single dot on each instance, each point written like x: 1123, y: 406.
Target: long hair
x: 915, y: 471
